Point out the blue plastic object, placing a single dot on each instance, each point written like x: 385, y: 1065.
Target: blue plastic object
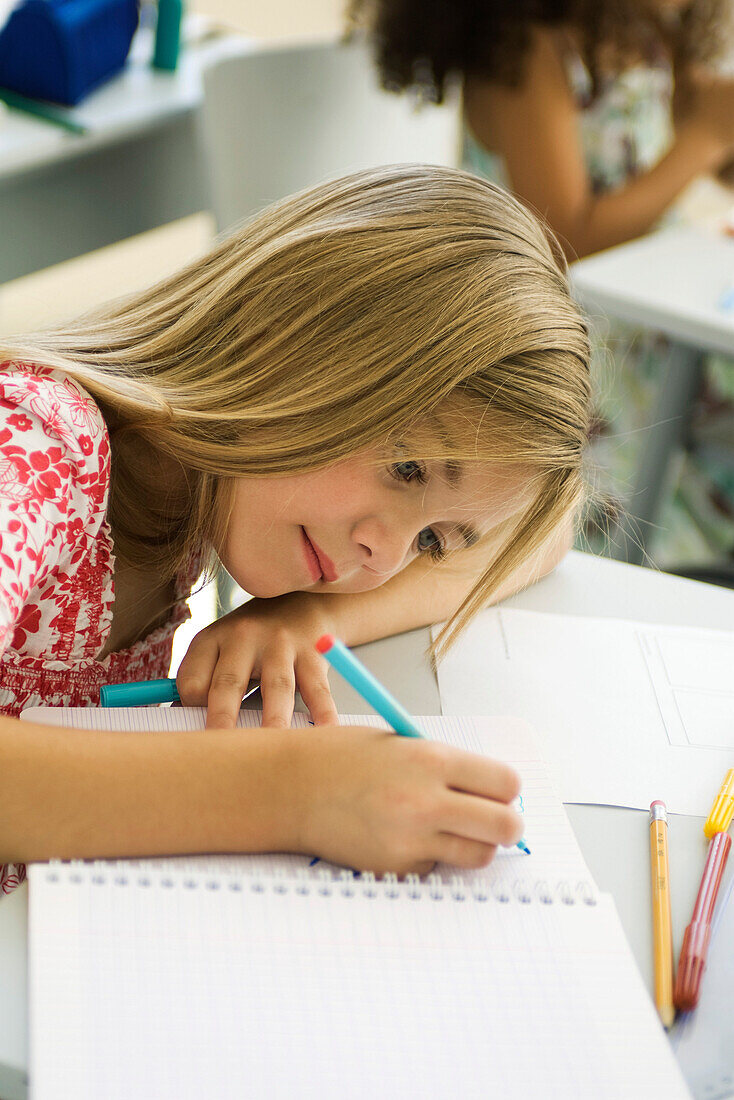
x: 60, y: 50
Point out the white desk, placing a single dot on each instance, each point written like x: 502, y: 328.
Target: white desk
x: 138, y: 167
x: 614, y: 841
x: 671, y: 281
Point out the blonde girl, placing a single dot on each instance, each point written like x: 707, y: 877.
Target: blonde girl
x: 370, y: 403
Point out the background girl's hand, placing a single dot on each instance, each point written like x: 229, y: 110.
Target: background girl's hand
x: 725, y: 174
x: 708, y: 106
x: 269, y: 640
x: 374, y: 801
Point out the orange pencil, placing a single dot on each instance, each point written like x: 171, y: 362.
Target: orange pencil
x: 661, y: 921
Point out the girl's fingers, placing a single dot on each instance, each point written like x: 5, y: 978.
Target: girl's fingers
x: 278, y: 689
x: 482, y: 776
x: 481, y: 819
x: 195, y: 672
x: 228, y: 684
x: 313, y: 684
x: 470, y: 854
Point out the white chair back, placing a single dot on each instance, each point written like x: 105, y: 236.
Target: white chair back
x: 278, y: 119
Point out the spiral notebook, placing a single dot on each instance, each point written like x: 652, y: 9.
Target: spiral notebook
x: 267, y: 977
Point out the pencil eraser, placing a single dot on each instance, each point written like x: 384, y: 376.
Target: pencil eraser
x: 325, y: 643
x: 657, y: 802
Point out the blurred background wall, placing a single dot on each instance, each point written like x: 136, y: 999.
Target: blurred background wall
x: 80, y: 284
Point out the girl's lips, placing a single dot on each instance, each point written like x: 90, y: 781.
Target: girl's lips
x: 312, y: 561
x: 327, y: 569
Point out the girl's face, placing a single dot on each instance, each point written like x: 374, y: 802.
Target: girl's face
x: 354, y: 525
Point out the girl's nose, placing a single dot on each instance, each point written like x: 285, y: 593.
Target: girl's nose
x: 384, y: 547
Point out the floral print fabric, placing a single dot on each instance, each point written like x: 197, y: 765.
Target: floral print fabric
x: 54, y: 477
x: 56, y: 554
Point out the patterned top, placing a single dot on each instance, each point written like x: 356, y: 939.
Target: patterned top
x: 624, y: 130
x: 56, y: 554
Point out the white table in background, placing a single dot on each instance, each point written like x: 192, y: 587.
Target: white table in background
x: 672, y: 282
x: 138, y: 166
x: 614, y: 841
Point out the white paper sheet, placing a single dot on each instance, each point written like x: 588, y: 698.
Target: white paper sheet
x: 624, y: 712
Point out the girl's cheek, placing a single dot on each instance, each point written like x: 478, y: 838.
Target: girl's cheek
x: 363, y: 583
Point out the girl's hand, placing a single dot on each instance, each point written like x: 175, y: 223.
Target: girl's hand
x: 271, y: 640
x: 374, y: 801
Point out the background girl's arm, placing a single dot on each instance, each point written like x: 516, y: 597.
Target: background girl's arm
x: 273, y: 639
x: 535, y: 128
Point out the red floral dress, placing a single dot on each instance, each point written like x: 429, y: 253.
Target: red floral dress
x: 56, y: 555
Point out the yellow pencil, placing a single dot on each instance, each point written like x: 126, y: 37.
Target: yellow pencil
x: 661, y: 922
x: 722, y: 811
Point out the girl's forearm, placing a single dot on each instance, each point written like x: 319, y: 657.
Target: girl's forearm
x: 622, y: 215
x: 420, y: 595
x: 83, y: 794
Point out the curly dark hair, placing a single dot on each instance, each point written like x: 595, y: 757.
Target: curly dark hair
x: 423, y: 44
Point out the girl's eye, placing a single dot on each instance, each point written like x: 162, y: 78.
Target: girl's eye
x: 409, y: 471
x: 430, y: 543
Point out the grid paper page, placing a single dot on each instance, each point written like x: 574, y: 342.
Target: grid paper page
x: 555, y: 862
x: 173, y: 991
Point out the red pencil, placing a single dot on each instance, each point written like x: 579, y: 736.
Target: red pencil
x: 692, y: 962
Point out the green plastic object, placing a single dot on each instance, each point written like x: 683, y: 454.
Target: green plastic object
x: 167, y: 35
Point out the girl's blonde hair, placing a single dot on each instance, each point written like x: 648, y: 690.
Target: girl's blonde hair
x: 337, y: 320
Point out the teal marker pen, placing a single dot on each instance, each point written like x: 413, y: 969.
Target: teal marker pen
x: 147, y: 693
x: 144, y: 693
x: 372, y: 691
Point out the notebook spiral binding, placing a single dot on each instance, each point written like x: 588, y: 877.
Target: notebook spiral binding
x: 328, y: 883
